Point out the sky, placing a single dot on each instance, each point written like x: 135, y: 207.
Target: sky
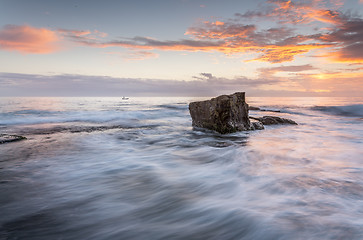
x: 181, y: 47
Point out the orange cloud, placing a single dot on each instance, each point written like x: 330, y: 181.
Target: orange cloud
x: 326, y: 16
x: 341, y: 57
x: 279, y: 54
x: 27, y: 39
x: 347, y: 40
x: 274, y: 45
x: 299, y: 12
x: 219, y: 30
x: 308, y: 12
x: 218, y: 23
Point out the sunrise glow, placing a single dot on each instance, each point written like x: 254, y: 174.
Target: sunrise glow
x: 263, y: 35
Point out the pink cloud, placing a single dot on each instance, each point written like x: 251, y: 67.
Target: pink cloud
x: 342, y: 40
x: 81, y: 36
x: 28, y: 39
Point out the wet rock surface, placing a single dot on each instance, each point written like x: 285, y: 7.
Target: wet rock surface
x: 257, y: 125
x: 5, y: 138
x: 252, y: 108
x: 224, y: 114
x: 273, y: 120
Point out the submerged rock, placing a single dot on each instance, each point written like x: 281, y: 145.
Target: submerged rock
x: 224, y: 114
x: 254, y: 108
x: 257, y: 125
x: 271, y: 120
x: 260, y: 109
x: 5, y: 138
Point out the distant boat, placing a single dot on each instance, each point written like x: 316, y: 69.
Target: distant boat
x: 125, y: 98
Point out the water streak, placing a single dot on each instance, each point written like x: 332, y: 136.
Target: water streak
x: 106, y: 168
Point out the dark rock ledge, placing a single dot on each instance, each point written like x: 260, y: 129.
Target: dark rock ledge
x: 251, y: 108
x: 271, y: 120
x: 5, y: 138
x: 228, y: 114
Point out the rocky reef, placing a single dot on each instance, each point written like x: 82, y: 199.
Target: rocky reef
x: 271, y: 120
x: 228, y: 114
x: 5, y: 138
x: 252, y: 108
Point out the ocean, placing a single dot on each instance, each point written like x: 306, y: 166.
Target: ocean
x: 107, y: 168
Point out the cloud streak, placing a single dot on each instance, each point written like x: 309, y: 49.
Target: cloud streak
x: 348, y: 40
x: 296, y: 12
x: 81, y: 36
x: 341, y: 40
x: 135, y: 55
x: 303, y: 80
x: 275, y: 45
x: 79, y: 85
x: 28, y: 39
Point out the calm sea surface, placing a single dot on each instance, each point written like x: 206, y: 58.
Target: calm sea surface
x: 107, y: 168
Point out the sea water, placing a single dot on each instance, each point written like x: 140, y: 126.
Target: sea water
x: 107, y: 168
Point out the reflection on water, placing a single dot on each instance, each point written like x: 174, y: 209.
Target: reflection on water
x: 103, y: 168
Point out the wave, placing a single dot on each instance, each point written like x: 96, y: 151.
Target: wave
x: 32, y: 112
x: 355, y: 110
x: 40, y: 117
x: 81, y: 129
x: 178, y: 106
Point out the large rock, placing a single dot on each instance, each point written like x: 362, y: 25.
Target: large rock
x: 224, y: 114
x: 271, y: 120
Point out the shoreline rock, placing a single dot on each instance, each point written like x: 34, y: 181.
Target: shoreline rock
x: 224, y: 114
